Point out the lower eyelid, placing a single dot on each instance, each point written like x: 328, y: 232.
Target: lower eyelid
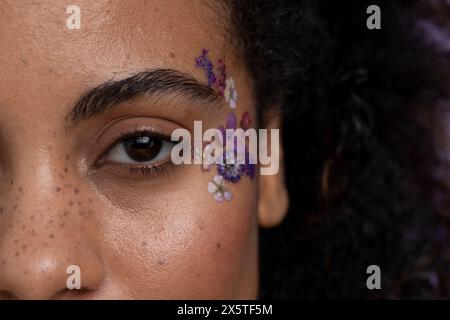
x: 136, y: 172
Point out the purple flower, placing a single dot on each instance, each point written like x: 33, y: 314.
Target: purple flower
x: 250, y: 170
x: 231, y: 121
x: 203, y: 62
x: 234, y: 171
x: 231, y: 172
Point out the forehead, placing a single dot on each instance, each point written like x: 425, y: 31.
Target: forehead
x: 140, y: 27
x: 41, y: 54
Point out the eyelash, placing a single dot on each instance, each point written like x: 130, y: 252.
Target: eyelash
x: 160, y: 170
x: 154, y: 170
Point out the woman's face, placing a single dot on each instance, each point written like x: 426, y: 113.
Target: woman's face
x: 72, y: 191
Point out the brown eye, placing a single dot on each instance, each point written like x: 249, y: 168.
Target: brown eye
x: 139, y: 149
x: 143, y: 148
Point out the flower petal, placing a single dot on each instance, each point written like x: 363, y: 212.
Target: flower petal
x: 231, y: 121
x: 232, y: 103
x: 212, y: 188
x: 231, y: 81
x: 218, y: 180
x: 218, y: 196
x: 246, y: 121
x: 227, y: 195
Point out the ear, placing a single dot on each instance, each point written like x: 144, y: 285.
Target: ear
x: 273, y: 199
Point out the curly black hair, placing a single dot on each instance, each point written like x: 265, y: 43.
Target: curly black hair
x: 359, y: 140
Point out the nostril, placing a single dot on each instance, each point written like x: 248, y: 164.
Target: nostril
x: 6, y: 295
x: 75, y: 294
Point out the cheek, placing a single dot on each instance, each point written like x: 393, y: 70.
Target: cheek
x: 182, y: 243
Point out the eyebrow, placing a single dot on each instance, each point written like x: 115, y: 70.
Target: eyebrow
x: 155, y: 82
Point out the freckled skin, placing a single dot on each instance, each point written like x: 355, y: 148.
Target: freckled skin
x: 157, y: 238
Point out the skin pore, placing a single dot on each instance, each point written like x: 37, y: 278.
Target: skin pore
x: 64, y: 201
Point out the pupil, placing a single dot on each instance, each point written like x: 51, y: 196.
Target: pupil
x: 143, y: 148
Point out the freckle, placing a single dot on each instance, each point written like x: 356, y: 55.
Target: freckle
x: 218, y: 244
x: 32, y: 218
x: 12, y: 182
x: 80, y: 203
x: 16, y: 241
x: 25, y: 272
x: 15, y: 207
x: 9, y: 226
x: 66, y: 213
x: 76, y: 190
x: 90, y: 200
x: 61, y: 225
x: 197, y: 274
x: 67, y: 157
x: 70, y: 203
x: 90, y: 212
x: 161, y: 262
x: 81, y: 212
x: 20, y: 190
x: 24, y: 247
x: 1, y: 210
x: 51, y: 221
x: 171, y: 54
x: 3, y: 262
x: 51, y: 236
x: 65, y: 170
x: 58, y: 189
x: 17, y: 254
x: 144, y: 243
x: 61, y: 176
x: 23, y: 227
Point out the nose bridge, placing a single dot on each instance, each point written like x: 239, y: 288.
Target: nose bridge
x: 42, y: 229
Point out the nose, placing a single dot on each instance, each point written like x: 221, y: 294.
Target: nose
x: 46, y: 274
x: 40, y: 242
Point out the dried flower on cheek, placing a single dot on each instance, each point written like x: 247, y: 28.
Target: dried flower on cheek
x: 231, y: 92
x: 233, y: 164
x: 217, y: 188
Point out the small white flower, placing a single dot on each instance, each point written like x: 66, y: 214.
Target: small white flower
x: 217, y: 188
x: 204, y: 157
x: 230, y: 92
x: 208, y: 159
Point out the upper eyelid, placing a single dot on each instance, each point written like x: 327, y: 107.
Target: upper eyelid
x: 135, y: 127
x: 142, y: 132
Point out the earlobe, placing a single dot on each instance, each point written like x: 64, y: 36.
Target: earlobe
x: 273, y: 200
